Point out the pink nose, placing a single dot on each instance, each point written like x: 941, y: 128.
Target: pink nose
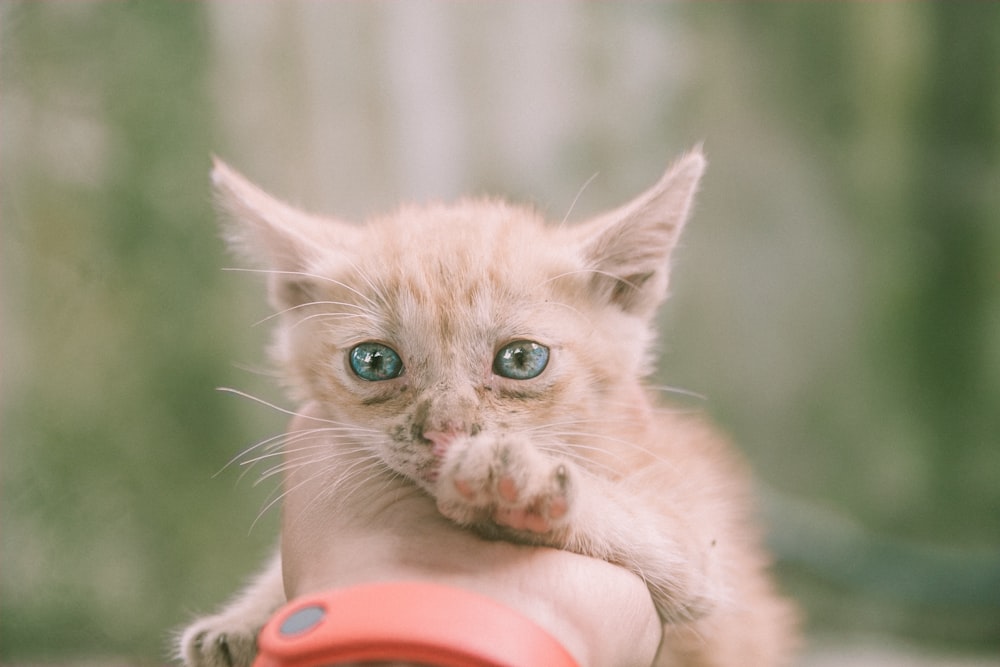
x: 441, y: 440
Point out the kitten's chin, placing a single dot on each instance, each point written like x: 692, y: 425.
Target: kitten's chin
x: 427, y: 477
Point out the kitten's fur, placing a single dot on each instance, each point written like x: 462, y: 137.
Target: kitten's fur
x: 578, y: 458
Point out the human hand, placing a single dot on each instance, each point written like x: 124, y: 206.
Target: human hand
x: 340, y: 530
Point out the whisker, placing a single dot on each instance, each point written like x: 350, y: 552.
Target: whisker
x: 665, y: 410
x: 359, y: 474
x: 586, y: 461
x: 263, y: 443
x: 345, y: 304
x: 287, y: 466
x: 306, y: 274
x: 256, y: 370
x: 332, y: 316
x: 679, y: 391
x: 281, y: 491
x: 594, y: 271
x: 283, y: 452
x: 284, y: 492
x: 579, y: 193
x: 377, y: 289
x: 237, y: 392
x: 297, y: 462
x: 272, y: 443
x: 607, y: 438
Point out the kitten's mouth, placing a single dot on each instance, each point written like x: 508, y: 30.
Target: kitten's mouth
x: 431, y: 473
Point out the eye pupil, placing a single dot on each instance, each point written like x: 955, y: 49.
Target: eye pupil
x: 521, y: 360
x: 375, y: 362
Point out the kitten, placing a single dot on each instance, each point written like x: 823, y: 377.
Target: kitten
x: 497, y: 365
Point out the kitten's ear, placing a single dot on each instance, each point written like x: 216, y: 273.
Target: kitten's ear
x: 629, y: 248
x: 282, y: 239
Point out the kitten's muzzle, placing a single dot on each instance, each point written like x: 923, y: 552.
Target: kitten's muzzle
x: 441, y: 439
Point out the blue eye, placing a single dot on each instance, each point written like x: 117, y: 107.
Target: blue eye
x: 521, y: 360
x: 375, y: 362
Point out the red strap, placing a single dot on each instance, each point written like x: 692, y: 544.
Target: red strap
x: 413, y: 621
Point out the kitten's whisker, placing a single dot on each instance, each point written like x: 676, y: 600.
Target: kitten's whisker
x: 542, y: 428
x: 655, y: 408
x: 680, y: 391
x: 295, y: 460
x: 276, y: 441
x: 306, y: 274
x: 332, y: 316
x: 345, y: 304
x: 608, y: 438
x: 334, y: 441
x: 579, y: 193
x: 288, y: 466
x: 281, y: 446
x: 243, y: 394
x: 284, y: 452
x: 359, y: 475
x: 263, y: 443
x: 281, y: 491
x: 273, y: 501
x: 377, y: 289
x: 257, y: 370
x: 570, y: 453
x: 594, y: 271
x: 278, y: 445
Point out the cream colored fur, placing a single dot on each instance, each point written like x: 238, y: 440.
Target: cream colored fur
x: 582, y: 457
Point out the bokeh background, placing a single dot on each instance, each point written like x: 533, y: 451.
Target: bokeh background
x: 837, y: 298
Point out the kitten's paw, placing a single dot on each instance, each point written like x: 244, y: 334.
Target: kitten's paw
x: 509, y: 484
x: 218, y: 641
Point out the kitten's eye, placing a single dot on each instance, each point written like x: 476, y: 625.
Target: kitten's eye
x: 521, y: 360
x: 375, y: 362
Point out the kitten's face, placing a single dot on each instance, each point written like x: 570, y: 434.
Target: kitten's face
x: 469, y: 321
x: 465, y: 320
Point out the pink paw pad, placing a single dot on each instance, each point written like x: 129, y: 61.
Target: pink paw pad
x: 507, y: 488
x: 522, y: 519
x: 465, y: 489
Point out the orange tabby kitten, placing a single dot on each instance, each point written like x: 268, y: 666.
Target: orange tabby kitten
x: 497, y: 365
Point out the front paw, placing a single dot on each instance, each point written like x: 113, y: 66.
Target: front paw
x: 218, y: 641
x: 507, y: 484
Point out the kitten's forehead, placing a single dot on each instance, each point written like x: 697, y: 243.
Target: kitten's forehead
x: 458, y: 280
x: 452, y: 251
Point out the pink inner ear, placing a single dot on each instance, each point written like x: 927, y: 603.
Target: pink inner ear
x: 627, y: 286
x: 290, y: 291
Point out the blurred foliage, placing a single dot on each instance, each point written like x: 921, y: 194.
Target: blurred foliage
x: 837, y: 299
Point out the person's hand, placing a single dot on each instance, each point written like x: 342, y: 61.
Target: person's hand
x: 362, y: 524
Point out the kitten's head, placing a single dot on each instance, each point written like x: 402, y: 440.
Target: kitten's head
x: 440, y: 321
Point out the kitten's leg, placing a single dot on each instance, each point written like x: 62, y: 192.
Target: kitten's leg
x: 512, y: 490
x: 229, y: 638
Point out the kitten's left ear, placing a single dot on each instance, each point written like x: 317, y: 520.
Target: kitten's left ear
x: 629, y: 248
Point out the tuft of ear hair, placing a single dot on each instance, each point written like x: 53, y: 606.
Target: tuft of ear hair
x: 628, y: 249
x: 282, y: 239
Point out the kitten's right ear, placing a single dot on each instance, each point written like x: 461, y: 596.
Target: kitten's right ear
x: 629, y: 248
x: 286, y: 241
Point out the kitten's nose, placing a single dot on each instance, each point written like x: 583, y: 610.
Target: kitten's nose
x: 441, y: 439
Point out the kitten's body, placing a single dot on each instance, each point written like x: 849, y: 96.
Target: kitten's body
x: 516, y: 404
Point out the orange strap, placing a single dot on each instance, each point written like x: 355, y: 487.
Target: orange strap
x: 413, y: 621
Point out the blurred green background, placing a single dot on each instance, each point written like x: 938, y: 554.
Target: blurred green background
x: 837, y: 298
